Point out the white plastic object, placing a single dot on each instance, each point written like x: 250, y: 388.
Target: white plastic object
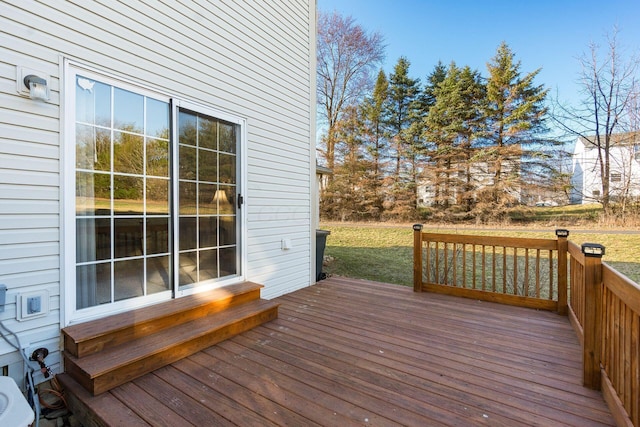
x: 14, y: 409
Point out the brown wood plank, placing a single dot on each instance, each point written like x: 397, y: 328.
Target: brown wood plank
x: 102, y: 371
x: 178, y: 401
x: 354, y: 352
x: 270, y: 387
x: 511, y: 242
x: 461, y: 376
x: 142, y: 401
x: 346, y: 400
x: 94, y: 410
x: 94, y: 336
x: 405, y: 408
x: 205, y: 387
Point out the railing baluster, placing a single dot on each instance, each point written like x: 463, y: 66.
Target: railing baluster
x: 526, y: 272
x: 464, y: 265
x: 437, y: 255
x: 446, y: 264
x: 538, y: 276
x: 473, y: 248
x: 515, y: 271
x: 504, y: 270
x: 454, y: 264
x: 484, y: 270
x: 493, y: 273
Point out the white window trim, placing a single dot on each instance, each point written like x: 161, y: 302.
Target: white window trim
x: 68, y: 312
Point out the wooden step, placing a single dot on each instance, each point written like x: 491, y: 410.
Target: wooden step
x: 118, y: 364
x: 92, y: 337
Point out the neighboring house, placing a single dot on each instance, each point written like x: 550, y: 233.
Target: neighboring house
x: 172, y: 150
x: 624, y: 176
x: 482, y: 177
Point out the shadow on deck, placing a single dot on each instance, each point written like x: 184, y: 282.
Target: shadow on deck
x: 352, y: 352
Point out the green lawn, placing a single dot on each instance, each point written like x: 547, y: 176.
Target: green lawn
x: 385, y: 253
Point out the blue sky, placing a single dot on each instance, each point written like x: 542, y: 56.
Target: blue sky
x: 547, y: 34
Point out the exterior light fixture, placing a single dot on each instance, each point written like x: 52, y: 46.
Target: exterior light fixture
x: 562, y: 233
x: 38, y: 87
x: 592, y: 250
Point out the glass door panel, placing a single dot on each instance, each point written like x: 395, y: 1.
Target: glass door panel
x: 207, y: 191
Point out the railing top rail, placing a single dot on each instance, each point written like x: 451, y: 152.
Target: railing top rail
x: 509, y: 242
x: 626, y: 289
x: 576, y: 252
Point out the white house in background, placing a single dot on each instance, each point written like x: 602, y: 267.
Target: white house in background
x: 147, y: 120
x: 482, y: 177
x: 624, y: 179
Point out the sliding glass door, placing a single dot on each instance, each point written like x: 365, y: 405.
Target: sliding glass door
x: 155, y: 207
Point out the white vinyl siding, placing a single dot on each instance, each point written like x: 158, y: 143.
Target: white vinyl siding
x: 250, y: 59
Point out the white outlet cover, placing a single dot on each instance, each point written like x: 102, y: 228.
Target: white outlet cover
x: 22, y: 308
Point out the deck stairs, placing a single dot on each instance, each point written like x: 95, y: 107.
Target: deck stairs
x: 102, y: 354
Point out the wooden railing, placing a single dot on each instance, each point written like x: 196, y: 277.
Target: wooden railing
x: 603, y: 305
x: 515, y: 271
x: 605, y: 312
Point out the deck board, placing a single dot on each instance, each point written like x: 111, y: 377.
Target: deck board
x: 352, y: 352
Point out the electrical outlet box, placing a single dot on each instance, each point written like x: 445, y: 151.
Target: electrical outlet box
x: 285, y: 244
x: 3, y: 297
x: 32, y: 304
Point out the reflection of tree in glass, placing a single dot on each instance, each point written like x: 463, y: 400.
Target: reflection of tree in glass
x: 158, y: 194
x: 207, y: 133
x: 128, y: 153
x: 227, y: 169
x: 207, y: 165
x: 227, y: 138
x: 187, y: 162
x: 157, y: 157
x: 127, y: 187
x: 102, y: 186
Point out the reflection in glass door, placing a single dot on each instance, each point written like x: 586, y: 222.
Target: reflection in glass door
x: 122, y: 183
x: 207, y: 198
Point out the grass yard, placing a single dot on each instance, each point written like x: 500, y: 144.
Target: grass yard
x: 385, y: 253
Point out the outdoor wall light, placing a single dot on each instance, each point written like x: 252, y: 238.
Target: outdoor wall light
x: 38, y: 87
x: 592, y: 249
x: 562, y: 233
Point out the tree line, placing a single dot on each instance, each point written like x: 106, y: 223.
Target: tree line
x: 460, y: 144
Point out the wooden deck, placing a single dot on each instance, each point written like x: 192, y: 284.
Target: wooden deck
x: 350, y: 352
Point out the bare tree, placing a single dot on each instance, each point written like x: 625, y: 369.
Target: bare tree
x: 347, y: 57
x: 608, y: 82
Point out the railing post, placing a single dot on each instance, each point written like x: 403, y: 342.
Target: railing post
x: 563, y: 249
x: 417, y: 257
x: 592, y: 327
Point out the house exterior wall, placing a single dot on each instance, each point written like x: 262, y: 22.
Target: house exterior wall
x: 254, y: 60
x: 586, y: 180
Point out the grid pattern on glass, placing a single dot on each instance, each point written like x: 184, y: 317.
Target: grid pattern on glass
x: 206, y: 197
x: 122, y: 194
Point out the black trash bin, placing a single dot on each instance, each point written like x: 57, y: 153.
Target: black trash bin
x: 321, y: 242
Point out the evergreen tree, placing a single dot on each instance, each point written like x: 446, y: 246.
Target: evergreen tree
x: 403, y: 96
x: 373, y: 115
x: 453, y: 124
x: 515, y: 116
x: 351, y: 192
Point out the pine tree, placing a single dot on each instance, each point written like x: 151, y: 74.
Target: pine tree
x: 403, y: 96
x: 351, y: 192
x: 515, y: 115
x: 374, y: 119
x: 453, y: 124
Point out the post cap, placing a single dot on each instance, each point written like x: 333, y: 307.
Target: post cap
x: 592, y: 250
x: 561, y: 232
x: 417, y: 227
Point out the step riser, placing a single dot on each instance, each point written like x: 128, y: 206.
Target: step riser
x: 121, y: 336
x: 133, y: 370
